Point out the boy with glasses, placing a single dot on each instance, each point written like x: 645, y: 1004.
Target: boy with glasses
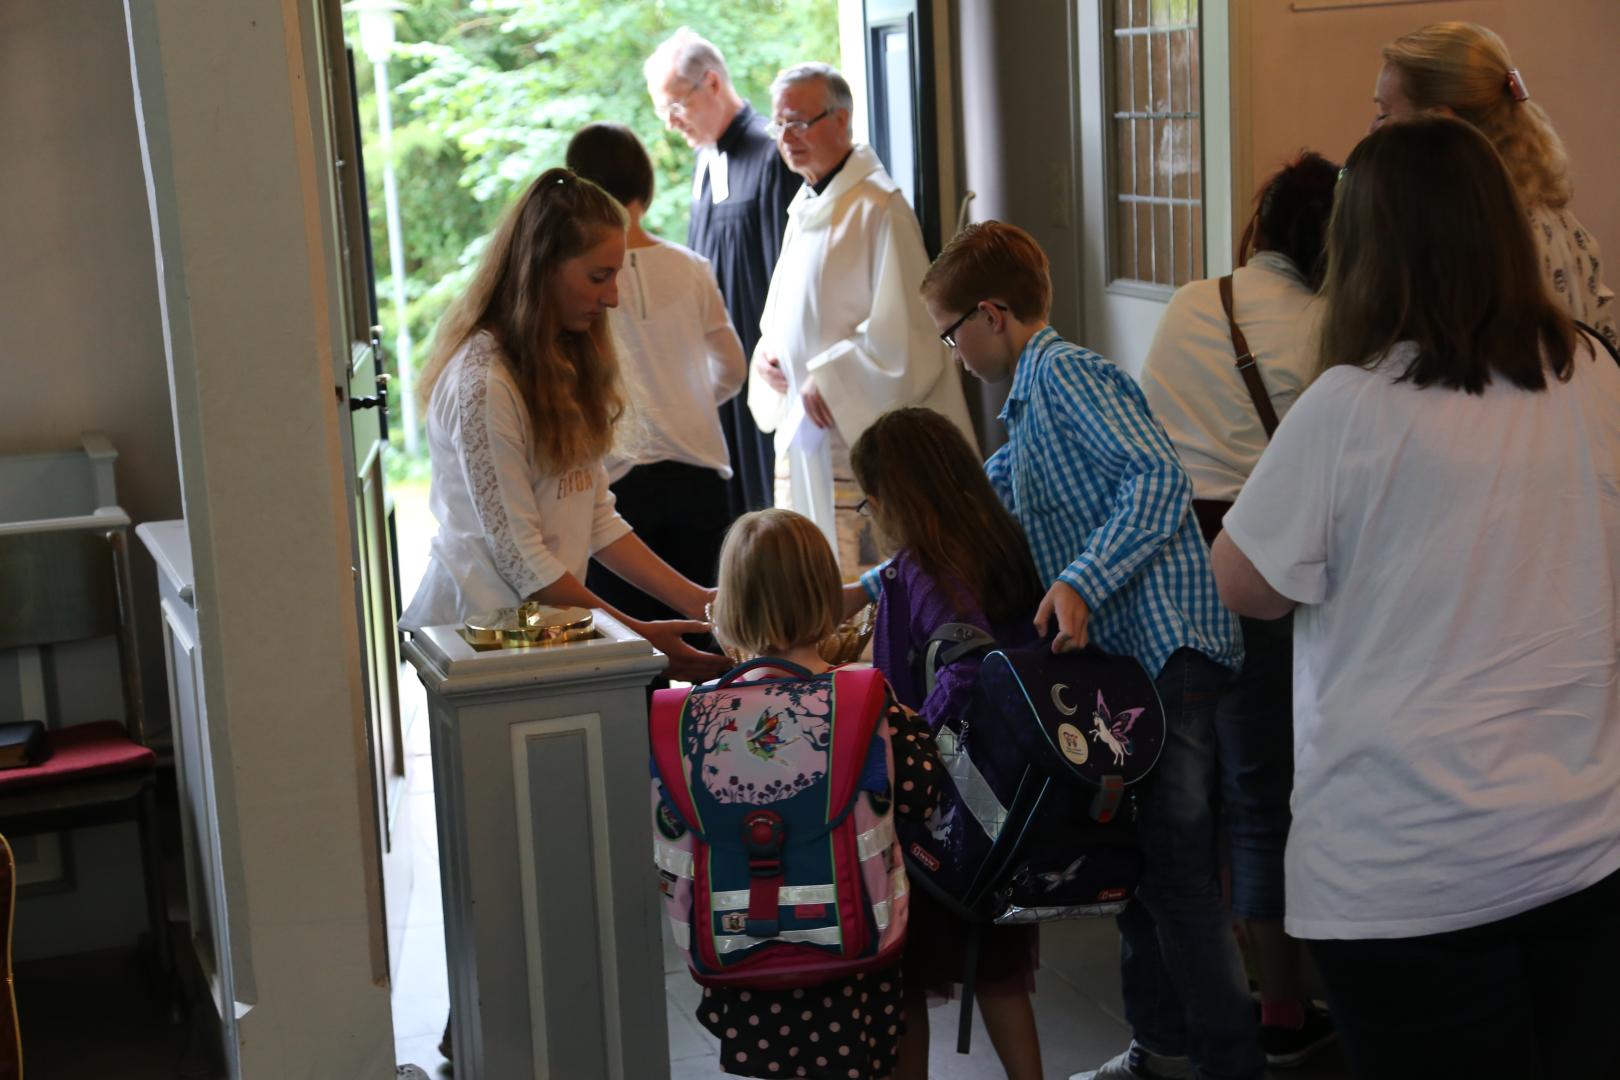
x: 1090, y: 475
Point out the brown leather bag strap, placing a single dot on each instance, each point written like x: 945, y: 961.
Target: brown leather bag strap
x: 1245, y: 363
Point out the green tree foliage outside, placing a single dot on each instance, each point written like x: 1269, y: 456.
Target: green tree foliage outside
x: 488, y: 93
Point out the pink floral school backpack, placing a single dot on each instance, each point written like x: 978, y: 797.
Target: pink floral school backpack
x: 772, y: 826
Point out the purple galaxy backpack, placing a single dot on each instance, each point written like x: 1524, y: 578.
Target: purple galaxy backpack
x: 1039, y: 821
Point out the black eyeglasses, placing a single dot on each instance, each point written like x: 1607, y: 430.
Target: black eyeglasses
x: 948, y: 335
x: 778, y: 128
x: 677, y: 108
x: 864, y: 508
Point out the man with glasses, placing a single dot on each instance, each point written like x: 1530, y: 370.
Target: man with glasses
x: 844, y: 337
x: 740, y: 195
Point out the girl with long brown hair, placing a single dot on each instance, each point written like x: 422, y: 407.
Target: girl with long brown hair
x: 522, y: 399
x: 958, y: 557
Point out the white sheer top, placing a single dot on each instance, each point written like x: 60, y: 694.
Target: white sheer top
x: 506, y: 529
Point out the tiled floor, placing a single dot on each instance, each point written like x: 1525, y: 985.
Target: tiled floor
x: 1077, y: 1004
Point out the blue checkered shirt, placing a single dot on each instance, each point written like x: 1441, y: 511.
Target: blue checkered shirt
x: 1093, y: 479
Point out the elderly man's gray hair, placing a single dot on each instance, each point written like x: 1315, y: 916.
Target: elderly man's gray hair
x: 838, y: 94
x: 689, y: 55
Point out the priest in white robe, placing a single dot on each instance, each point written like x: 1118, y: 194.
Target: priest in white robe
x: 844, y: 337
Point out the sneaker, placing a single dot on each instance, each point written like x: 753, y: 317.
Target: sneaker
x: 1288, y: 1048
x: 1140, y: 1063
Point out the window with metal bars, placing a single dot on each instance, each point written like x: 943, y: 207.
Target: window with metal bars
x: 1156, y: 172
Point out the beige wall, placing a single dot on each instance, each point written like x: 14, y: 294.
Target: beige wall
x: 1015, y: 143
x: 1310, y: 77
x: 80, y: 348
x: 79, y: 337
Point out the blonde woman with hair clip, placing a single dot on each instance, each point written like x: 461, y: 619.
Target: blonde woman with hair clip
x: 522, y: 397
x: 1463, y: 69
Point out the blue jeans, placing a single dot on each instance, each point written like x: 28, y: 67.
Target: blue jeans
x: 1184, y: 986
x: 1254, y: 727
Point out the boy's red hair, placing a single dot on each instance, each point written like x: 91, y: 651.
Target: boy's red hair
x: 991, y: 260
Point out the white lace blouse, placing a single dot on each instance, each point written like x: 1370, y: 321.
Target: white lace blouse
x: 505, y: 528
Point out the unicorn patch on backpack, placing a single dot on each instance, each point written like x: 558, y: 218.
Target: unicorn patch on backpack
x: 1113, y: 731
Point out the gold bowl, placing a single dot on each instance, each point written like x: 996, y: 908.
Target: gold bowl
x: 845, y: 644
x: 529, y: 625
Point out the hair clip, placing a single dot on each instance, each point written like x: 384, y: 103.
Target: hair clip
x: 1516, y: 86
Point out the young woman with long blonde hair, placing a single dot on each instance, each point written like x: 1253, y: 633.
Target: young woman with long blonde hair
x: 522, y: 399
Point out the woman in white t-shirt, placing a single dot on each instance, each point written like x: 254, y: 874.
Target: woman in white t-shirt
x: 1219, y: 424
x: 522, y: 396
x: 1463, y: 69
x: 680, y: 358
x: 1441, y: 512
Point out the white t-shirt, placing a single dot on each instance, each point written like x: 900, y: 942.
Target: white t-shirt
x: 1191, y: 380
x: 680, y: 358
x: 1456, y: 701
x: 506, y: 529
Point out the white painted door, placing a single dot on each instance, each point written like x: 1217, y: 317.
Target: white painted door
x: 1155, y: 161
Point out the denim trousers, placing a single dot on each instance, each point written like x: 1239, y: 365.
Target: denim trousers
x: 1254, y: 729
x: 1183, y: 980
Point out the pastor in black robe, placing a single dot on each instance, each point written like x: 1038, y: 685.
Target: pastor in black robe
x: 742, y: 236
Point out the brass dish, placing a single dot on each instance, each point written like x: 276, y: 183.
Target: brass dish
x: 845, y: 644
x: 529, y: 625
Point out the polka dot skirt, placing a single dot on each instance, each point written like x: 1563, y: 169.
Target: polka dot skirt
x: 848, y: 1030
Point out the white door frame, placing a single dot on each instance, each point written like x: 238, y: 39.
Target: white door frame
x: 1120, y: 318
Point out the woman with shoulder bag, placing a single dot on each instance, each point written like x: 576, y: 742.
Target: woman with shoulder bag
x: 1229, y: 358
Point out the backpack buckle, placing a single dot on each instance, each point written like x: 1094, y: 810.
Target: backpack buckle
x: 1105, y: 804
x: 763, y: 836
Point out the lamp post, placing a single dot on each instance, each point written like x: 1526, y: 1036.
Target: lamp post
x: 377, y: 41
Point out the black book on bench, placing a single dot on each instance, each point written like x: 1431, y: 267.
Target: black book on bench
x: 22, y: 743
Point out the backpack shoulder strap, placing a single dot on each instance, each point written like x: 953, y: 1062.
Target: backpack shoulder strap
x: 1245, y: 363
x: 858, y: 697
x: 948, y: 644
x: 1614, y: 353
x: 664, y: 735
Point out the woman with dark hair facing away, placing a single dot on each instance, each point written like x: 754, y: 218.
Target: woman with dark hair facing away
x: 680, y: 359
x: 1229, y: 358
x: 522, y: 398
x: 958, y: 557
x: 1441, y: 512
x: 1462, y: 69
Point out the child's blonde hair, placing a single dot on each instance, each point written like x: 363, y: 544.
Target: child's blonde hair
x: 779, y: 587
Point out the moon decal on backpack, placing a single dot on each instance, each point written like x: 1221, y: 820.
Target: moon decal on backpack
x: 1057, y: 700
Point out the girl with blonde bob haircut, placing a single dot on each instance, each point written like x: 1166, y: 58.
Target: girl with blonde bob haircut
x: 779, y: 586
x: 779, y: 597
x: 1462, y: 69
x: 522, y: 398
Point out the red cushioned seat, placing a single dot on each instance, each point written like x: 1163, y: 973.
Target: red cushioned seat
x: 79, y: 752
